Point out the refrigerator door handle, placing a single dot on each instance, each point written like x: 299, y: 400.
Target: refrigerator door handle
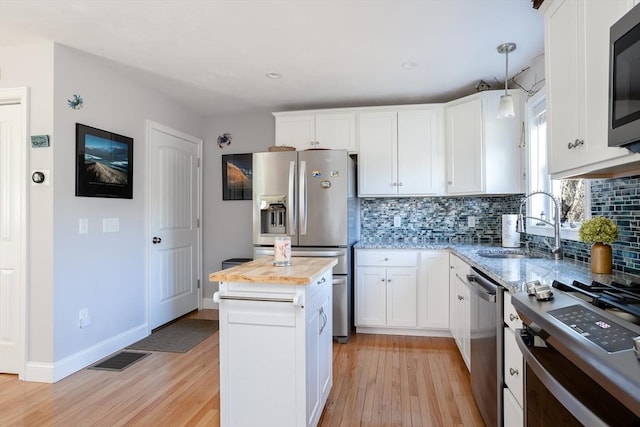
x: 303, y: 198
x: 292, y: 220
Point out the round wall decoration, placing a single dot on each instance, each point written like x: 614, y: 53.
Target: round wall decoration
x: 224, y: 140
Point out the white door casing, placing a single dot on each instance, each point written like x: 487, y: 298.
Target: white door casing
x: 174, y: 212
x: 13, y: 228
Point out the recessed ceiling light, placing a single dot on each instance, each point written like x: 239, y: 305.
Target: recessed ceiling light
x: 274, y: 75
x: 408, y: 65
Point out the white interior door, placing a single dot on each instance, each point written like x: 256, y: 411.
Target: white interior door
x: 174, y: 232
x: 13, y: 214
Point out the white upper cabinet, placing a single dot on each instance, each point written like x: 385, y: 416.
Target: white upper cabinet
x: 306, y: 130
x: 484, y: 153
x: 577, y: 79
x: 401, y: 152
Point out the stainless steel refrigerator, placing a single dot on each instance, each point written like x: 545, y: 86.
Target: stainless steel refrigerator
x: 311, y: 197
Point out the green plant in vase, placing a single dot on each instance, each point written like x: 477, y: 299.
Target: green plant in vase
x: 601, y: 232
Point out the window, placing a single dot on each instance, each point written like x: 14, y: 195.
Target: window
x: 573, y: 194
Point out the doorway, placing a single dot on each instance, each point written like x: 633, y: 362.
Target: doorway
x: 174, y: 234
x: 13, y: 229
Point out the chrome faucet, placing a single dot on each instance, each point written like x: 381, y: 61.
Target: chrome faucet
x: 556, y: 250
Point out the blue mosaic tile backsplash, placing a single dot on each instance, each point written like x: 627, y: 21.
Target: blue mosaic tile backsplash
x: 439, y: 219
x: 444, y: 219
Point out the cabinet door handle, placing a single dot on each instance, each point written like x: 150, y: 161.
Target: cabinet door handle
x: 578, y: 142
x: 386, y: 259
x: 513, y: 372
x: 388, y: 280
x: 460, y: 297
x: 382, y: 279
x: 321, y: 281
x: 512, y: 317
x: 399, y: 184
x: 323, y: 318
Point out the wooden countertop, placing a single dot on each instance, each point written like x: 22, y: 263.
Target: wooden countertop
x: 302, y: 271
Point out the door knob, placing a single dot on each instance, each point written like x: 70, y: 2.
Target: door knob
x: 156, y: 240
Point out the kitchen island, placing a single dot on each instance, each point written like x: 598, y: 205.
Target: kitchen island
x: 275, y: 342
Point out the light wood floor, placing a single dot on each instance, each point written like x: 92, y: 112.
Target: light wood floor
x: 378, y: 380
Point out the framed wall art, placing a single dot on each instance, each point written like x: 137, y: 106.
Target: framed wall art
x: 104, y: 163
x: 237, y: 176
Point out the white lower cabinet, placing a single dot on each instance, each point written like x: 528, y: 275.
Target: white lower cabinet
x: 275, y: 358
x: 386, y: 288
x: 513, y: 415
x: 433, y: 290
x: 401, y: 291
x: 513, y: 368
x: 460, y: 307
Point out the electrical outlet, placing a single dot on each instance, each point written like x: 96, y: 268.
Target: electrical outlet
x: 397, y: 221
x: 84, y: 319
x: 471, y: 221
x: 110, y: 225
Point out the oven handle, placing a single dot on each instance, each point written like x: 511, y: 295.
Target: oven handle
x: 573, y: 405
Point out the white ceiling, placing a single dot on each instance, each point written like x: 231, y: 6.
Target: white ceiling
x: 213, y: 55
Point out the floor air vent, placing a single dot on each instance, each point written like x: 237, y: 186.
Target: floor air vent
x: 119, y: 361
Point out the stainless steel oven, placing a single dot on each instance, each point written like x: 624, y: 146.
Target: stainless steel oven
x: 580, y: 363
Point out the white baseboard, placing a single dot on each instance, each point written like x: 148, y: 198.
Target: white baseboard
x: 403, y: 331
x: 38, y: 372
x: 52, y: 372
x: 208, y: 303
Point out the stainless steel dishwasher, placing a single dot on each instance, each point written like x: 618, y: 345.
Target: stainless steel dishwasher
x: 486, y: 346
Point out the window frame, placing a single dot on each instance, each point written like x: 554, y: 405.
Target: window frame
x: 566, y: 232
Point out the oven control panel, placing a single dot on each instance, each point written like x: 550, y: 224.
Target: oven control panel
x: 600, y: 331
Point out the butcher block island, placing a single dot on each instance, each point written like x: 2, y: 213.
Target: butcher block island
x: 275, y: 342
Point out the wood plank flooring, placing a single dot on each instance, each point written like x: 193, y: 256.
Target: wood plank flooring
x: 378, y: 380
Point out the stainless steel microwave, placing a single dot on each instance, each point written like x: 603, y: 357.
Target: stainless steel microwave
x: 624, y: 82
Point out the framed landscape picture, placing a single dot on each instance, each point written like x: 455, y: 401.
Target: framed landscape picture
x: 104, y: 163
x: 237, y: 176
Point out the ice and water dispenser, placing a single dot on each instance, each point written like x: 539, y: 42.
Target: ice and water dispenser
x: 273, y: 215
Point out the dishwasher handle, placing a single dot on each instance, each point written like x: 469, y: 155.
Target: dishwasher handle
x: 486, y: 291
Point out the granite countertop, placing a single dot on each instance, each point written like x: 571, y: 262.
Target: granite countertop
x: 302, y: 271
x: 512, y: 273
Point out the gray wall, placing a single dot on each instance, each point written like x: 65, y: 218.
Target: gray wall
x: 226, y: 224
x: 104, y: 272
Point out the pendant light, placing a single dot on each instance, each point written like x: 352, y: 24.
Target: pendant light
x: 505, y: 108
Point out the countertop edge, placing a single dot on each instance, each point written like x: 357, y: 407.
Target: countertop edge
x: 303, y: 271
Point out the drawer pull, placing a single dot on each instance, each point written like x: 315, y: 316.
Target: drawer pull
x: 513, y: 372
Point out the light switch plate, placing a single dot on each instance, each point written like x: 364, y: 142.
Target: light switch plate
x: 83, y: 226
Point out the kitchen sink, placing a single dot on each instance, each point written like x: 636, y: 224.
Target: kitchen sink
x: 507, y: 254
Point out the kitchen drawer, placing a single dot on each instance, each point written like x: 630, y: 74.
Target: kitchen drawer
x: 513, y: 365
x: 513, y: 414
x: 511, y: 317
x: 387, y: 258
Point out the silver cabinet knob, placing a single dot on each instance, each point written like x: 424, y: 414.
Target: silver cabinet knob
x: 156, y: 240
x: 513, y: 372
x: 512, y: 317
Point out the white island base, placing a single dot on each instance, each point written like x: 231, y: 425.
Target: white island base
x: 275, y: 343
